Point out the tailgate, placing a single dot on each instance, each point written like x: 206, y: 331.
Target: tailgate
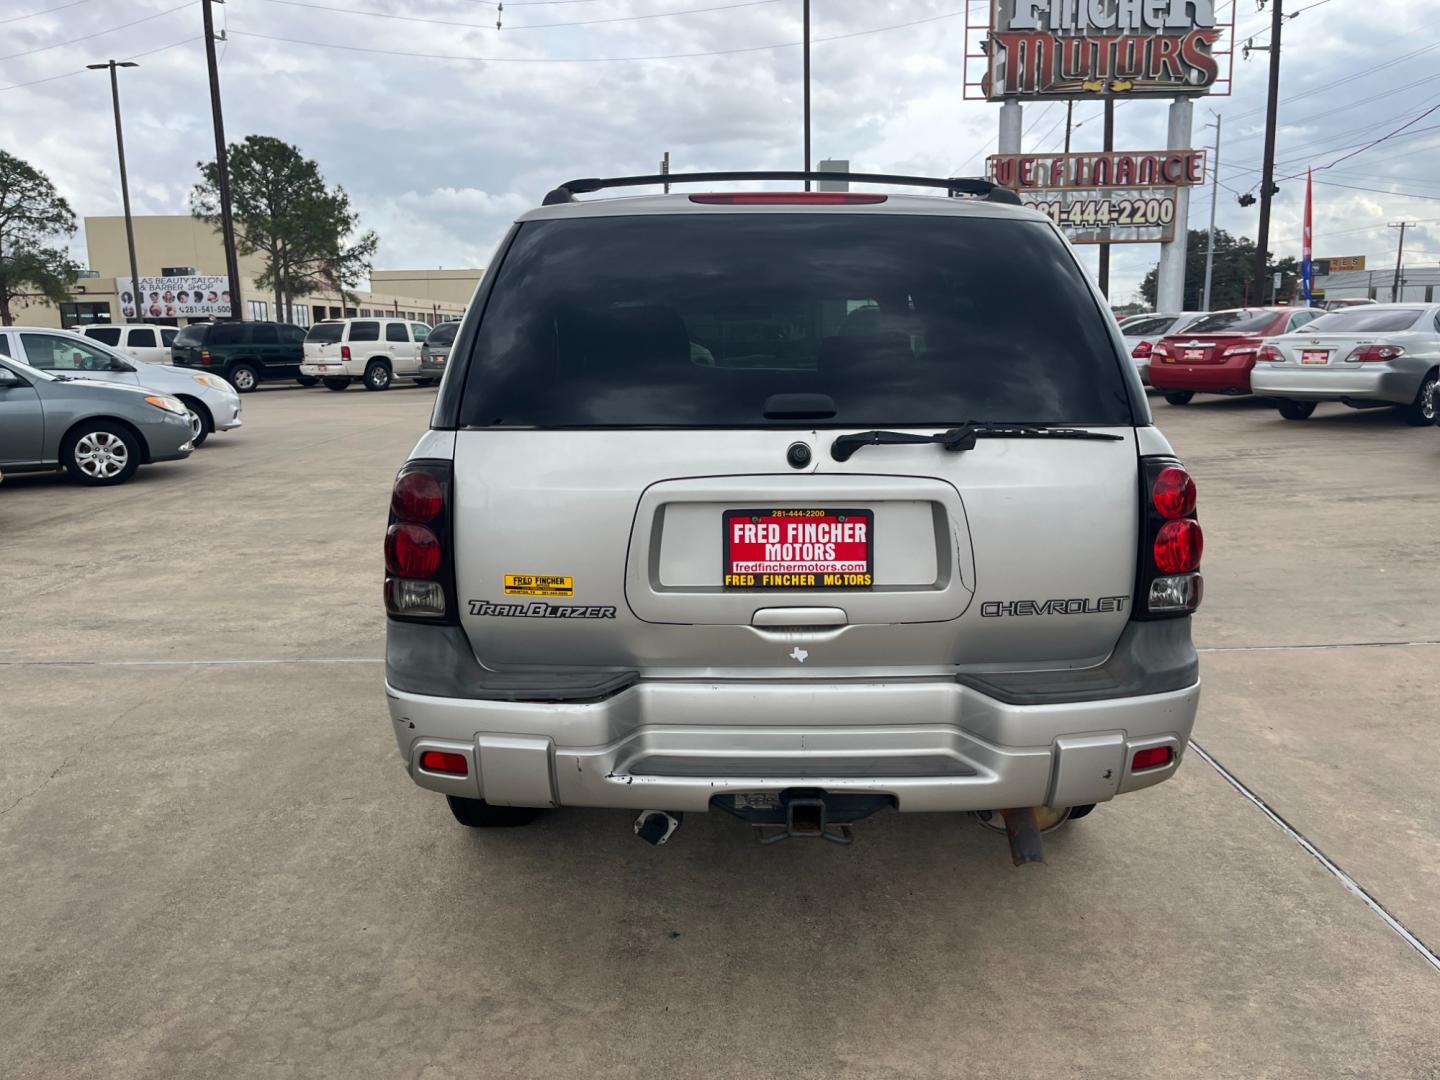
x: 609, y: 548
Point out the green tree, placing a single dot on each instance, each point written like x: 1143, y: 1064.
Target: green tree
x: 32, y: 213
x: 1234, y: 262
x: 305, y: 231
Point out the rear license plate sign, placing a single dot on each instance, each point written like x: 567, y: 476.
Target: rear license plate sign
x: 798, y: 548
x: 1311, y: 356
x: 1194, y: 354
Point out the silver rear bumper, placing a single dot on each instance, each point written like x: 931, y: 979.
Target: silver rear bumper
x: 1331, y: 382
x: 932, y: 744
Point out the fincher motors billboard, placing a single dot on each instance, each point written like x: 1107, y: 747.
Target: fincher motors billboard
x: 1080, y: 48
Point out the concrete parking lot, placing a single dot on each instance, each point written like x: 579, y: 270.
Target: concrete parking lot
x: 212, y: 863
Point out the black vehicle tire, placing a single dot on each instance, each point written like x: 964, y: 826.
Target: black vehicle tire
x: 101, y: 453
x: 201, y: 423
x: 1295, y: 410
x: 478, y: 814
x: 1421, y: 411
x: 306, y: 380
x: 337, y: 384
x: 1180, y: 397
x: 1077, y: 812
x: 378, y: 375
x: 243, y: 377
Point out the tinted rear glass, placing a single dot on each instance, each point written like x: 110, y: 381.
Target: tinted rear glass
x: 1365, y: 320
x: 364, y: 331
x: 1232, y: 322
x: 192, y: 335
x: 1147, y: 327
x: 110, y: 335
x: 325, y: 332
x: 264, y: 334
x: 697, y: 319
x: 228, y: 333
x: 444, y: 334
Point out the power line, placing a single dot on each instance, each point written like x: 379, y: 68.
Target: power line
x: 81, y: 71
x: 523, y: 26
x: 97, y: 33
x: 1363, y: 73
x: 47, y: 11
x: 595, y: 59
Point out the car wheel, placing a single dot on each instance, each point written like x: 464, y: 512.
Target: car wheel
x: 1180, y: 397
x: 377, y: 375
x: 1295, y: 410
x: 478, y: 814
x: 336, y: 384
x: 1421, y: 412
x: 244, y: 378
x: 200, y: 423
x: 306, y: 380
x: 100, y: 453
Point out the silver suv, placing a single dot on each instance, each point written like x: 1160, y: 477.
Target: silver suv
x: 793, y: 505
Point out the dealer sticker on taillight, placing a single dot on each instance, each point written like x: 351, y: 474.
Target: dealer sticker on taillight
x: 799, y: 548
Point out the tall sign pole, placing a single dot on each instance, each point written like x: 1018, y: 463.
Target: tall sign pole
x: 1104, y: 273
x: 1267, y: 174
x: 222, y: 165
x: 1214, y: 200
x: 1170, y: 278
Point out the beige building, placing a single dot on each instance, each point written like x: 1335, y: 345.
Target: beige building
x: 179, y: 245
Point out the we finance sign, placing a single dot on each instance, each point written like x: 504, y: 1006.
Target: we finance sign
x: 1080, y: 48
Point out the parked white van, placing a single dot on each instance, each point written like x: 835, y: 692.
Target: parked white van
x: 139, y: 341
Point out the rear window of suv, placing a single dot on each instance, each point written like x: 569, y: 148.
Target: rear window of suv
x: 698, y: 319
x: 192, y: 335
x: 325, y: 332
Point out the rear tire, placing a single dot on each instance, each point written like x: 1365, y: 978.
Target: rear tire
x: 1295, y: 410
x: 1421, y: 412
x: 244, y: 378
x: 478, y: 814
x: 306, y: 380
x: 336, y: 384
x: 99, y: 453
x: 1180, y: 397
x: 377, y: 375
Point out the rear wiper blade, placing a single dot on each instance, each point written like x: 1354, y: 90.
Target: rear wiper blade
x: 961, y: 438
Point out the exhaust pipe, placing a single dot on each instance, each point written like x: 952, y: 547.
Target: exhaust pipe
x: 656, y: 826
x: 1022, y: 829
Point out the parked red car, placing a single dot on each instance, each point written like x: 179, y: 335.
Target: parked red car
x: 1214, y: 355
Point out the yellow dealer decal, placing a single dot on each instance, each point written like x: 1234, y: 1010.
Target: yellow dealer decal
x: 539, y: 585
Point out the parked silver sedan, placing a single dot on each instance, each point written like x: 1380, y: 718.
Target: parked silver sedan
x: 212, y: 402
x: 1141, y: 332
x: 99, y: 432
x: 1367, y: 357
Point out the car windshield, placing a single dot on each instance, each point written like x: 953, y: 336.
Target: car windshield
x: 699, y: 319
x: 1146, y: 327
x: 444, y: 334
x: 1231, y: 322
x: 1365, y: 320
x: 325, y: 332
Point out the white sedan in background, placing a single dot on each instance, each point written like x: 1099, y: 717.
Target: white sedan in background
x: 1367, y: 357
x: 1141, y: 332
x: 213, y: 403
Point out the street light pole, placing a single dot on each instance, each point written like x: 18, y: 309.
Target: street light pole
x: 222, y: 165
x: 124, y: 182
x: 1214, y: 198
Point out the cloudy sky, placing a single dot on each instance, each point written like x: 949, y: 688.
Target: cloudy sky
x: 442, y: 127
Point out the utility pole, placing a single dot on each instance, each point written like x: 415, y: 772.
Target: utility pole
x: 222, y: 164
x: 805, y: 18
x: 665, y: 170
x: 124, y: 182
x: 1069, y: 116
x: 1214, y: 199
x: 1399, y: 256
x: 1267, y: 175
x: 1104, y: 274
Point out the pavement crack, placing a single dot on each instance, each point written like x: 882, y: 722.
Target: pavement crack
x: 1350, y: 884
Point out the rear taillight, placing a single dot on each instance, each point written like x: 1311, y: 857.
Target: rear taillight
x: 1167, y: 581
x: 788, y: 198
x: 1159, y: 349
x: 419, y: 568
x: 442, y: 761
x: 1269, y: 354
x: 1142, y: 351
x: 1238, y: 350
x: 205, y: 356
x: 344, y: 352
x: 1376, y: 353
x: 1150, y: 758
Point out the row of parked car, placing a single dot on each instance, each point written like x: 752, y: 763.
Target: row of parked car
x: 1365, y: 356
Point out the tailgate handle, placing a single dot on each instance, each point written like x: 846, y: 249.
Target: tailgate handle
x: 799, y: 616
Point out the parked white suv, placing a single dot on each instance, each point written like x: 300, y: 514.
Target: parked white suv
x: 377, y: 351
x: 795, y: 511
x: 138, y: 341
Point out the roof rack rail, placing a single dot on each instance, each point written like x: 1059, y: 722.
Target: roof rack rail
x: 953, y: 185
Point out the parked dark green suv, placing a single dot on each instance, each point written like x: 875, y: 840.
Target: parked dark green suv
x: 245, y: 353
